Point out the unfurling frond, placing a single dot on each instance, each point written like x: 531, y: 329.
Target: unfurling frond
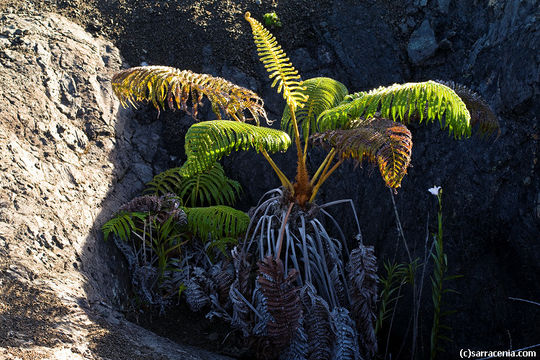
x: 427, y: 101
x: 362, y: 269
x: 282, y: 300
x: 481, y: 113
x: 383, y: 141
x: 209, y: 141
x: 323, y: 94
x: 211, y: 187
x: 166, y: 86
x: 216, y: 222
x: 277, y: 64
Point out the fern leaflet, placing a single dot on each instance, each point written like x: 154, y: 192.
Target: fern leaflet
x: 216, y: 222
x: 383, y: 141
x: 211, y: 187
x: 209, y: 141
x: 323, y: 94
x: 277, y: 64
x: 403, y: 102
x: 166, y: 86
x: 122, y: 225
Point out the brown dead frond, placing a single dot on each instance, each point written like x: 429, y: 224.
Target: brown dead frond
x: 282, y: 299
x: 167, y: 86
x: 381, y: 141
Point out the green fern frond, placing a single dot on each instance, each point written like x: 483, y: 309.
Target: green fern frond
x: 166, y: 86
x: 277, y: 64
x: 382, y: 141
x: 481, y: 113
x: 427, y: 101
x: 209, y: 141
x: 122, y: 225
x: 211, y: 187
x: 323, y: 93
x: 216, y: 222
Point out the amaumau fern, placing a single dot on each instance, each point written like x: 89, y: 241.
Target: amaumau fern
x: 211, y: 187
x: 216, y: 222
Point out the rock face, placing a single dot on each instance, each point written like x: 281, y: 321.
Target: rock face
x: 422, y: 44
x: 68, y: 159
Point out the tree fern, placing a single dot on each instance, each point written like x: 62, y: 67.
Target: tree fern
x: 323, y: 94
x: 277, y: 64
x: 211, y: 187
x: 403, y: 102
x: 383, y: 141
x: 481, y: 113
x: 166, y: 86
x: 209, y: 141
x: 216, y: 222
x: 122, y: 224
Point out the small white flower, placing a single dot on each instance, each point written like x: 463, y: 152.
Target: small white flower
x: 434, y: 190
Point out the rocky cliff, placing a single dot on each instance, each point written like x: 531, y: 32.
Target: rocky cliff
x: 68, y: 159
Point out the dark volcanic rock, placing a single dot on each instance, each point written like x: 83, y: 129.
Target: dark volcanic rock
x: 422, y: 44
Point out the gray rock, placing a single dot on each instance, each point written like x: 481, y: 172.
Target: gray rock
x: 443, y: 5
x: 302, y: 60
x: 422, y: 43
x: 69, y: 158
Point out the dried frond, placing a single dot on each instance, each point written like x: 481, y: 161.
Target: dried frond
x: 240, y: 291
x: 317, y: 324
x: 346, y: 345
x: 162, y: 207
x: 298, y: 348
x: 166, y: 86
x: 481, y: 113
x: 282, y: 299
x: 209, y: 141
x: 198, y: 289
x: 223, y: 276
x: 277, y: 64
x: 382, y: 141
x: 427, y: 101
x: 362, y: 269
x: 147, y: 203
x: 260, y: 328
